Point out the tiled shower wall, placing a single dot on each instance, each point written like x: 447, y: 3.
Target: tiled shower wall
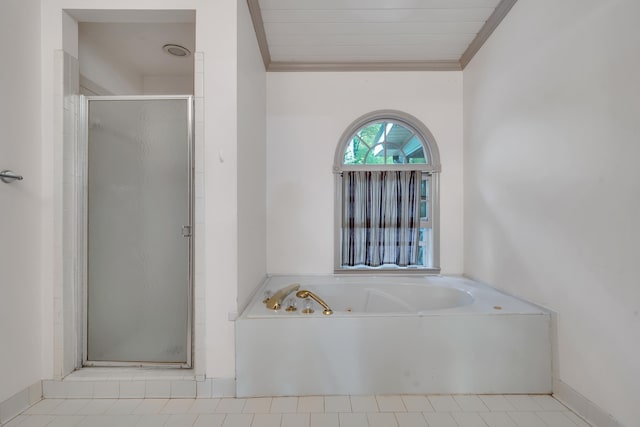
x: 68, y: 173
x: 199, y: 320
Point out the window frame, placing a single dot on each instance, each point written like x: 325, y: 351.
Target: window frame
x: 432, y: 168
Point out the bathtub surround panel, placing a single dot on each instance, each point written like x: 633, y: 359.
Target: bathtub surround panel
x: 469, y: 348
x: 551, y: 183
x: 390, y: 355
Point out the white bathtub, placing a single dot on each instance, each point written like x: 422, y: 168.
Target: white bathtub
x: 401, y: 334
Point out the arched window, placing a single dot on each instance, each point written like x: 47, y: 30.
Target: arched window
x: 386, y: 166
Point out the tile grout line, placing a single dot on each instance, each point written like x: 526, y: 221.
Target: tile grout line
x: 550, y: 407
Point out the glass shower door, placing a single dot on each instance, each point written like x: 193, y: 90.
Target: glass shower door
x: 139, y: 231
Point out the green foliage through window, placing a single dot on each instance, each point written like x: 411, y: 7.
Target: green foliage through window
x: 385, y: 142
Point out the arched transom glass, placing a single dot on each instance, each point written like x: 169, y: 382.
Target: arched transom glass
x: 385, y: 142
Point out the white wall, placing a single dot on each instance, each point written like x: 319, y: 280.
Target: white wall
x: 116, y: 76
x: 552, y: 199
x: 20, y: 248
x: 167, y: 85
x: 105, y: 71
x: 306, y: 115
x: 252, y: 264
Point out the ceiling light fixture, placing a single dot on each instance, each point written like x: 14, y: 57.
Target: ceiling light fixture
x: 176, y: 50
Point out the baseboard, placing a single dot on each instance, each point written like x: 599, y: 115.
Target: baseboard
x: 20, y: 401
x: 592, y: 413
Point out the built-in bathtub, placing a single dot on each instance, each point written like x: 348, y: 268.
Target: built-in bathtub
x: 392, y: 335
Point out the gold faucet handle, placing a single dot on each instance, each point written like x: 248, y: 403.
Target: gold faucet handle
x: 308, y: 294
x: 275, y: 301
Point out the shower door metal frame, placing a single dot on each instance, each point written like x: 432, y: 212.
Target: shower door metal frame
x: 84, y: 137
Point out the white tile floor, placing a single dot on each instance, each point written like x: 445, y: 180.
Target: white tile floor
x: 311, y: 411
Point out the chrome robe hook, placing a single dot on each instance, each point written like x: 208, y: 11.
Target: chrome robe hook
x: 8, y: 176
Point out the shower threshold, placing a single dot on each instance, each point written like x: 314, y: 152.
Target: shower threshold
x: 126, y: 383
x: 131, y: 373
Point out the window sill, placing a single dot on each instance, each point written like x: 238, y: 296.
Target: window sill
x: 387, y: 270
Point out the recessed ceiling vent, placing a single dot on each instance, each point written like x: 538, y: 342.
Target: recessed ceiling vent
x: 176, y: 50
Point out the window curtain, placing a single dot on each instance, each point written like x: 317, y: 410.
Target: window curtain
x: 380, y: 218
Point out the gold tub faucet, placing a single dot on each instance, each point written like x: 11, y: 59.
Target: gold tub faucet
x: 309, y: 294
x: 275, y: 301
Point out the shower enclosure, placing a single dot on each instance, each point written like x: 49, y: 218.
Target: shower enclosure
x: 138, y: 297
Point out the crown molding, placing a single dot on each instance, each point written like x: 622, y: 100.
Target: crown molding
x: 366, y: 66
x: 258, y: 27
x: 487, y: 29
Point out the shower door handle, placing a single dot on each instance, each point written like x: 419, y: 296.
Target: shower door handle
x: 186, y: 231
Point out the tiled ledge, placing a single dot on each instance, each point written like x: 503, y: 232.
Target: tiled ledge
x: 139, y: 383
x: 131, y: 374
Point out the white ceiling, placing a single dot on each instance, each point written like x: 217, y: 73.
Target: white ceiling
x: 311, y: 34
x: 411, y: 34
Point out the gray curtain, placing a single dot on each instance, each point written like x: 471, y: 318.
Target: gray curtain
x: 380, y: 218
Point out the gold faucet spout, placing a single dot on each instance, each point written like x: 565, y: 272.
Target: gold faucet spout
x: 275, y: 302
x: 308, y: 294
